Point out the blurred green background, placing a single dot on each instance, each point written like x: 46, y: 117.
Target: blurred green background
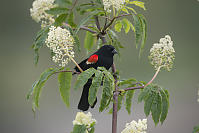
x: 177, y: 18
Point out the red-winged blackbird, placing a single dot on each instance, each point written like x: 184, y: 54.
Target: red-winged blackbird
x: 101, y: 58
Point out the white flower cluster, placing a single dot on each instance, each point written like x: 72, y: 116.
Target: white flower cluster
x: 38, y: 13
x: 162, y: 53
x: 136, y: 127
x: 60, y: 42
x: 117, y: 4
x: 84, y: 119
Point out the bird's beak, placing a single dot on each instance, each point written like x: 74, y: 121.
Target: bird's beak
x: 114, y: 51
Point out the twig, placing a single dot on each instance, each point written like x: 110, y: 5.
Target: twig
x: 87, y: 29
x: 97, y: 23
x: 112, y: 20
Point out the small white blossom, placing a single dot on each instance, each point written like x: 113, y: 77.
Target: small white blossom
x: 84, y: 119
x: 117, y: 4
x: 38, y: 13
x: 136, y: 127
x: 60, y: 42
x: 162, y: 53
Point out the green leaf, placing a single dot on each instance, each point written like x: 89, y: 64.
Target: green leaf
x: 63, y: 3
x: 39, y: 41
x: 129, y: 96
x: 138, y: 29
x: 118, y: 26
x: 165, y: 106
x: 30, y: 92
x: 79, y: 129
x: 144, y: 30
x: 83, y: 77
x: 89, y: 41
x: 126, y: 25
x: 156, y: 108
x: 138, y: 3
x: 125, y: 10
x: 60, y: 19
x: 143, y: 94
x: 84, y: 20
x: 39, y: 85
x: 57, y: 11
x: 71, y: 20
x: 120, y: 99
x: 196, y: 129
x: 148, y: 103
x: 64, y: 79
x: 96, y: 83
x: 131, y: 9
x: 92, y: 130
x: 106, y: 93
x: 126, y: 82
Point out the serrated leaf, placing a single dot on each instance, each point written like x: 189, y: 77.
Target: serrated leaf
x: 131, y: 9
x: 71, y: 20
x: 30, y: 92
x: 83, y: 78
x: 129, y: 96
x: 84, y: 20
x: 39, y: 41
x: 106, y: 93
x: 79, y: 129
x: 96, y: 83
x: 57, y: 11
x: 39, y: 85
x: 148, y: 103
x: 165, y: 106
x: 89, y: 41
x: 125, y: 10
x: 144, y: 30
x: 126, y: 82
x: 118, y: 26
x: 64, y: 79
x: 156, y: 108
x: 138, y: 29
x: 143, y: 94
x: 126, y: 25
x: 138, y: 3
x: 60, y: 19
x: 120, y: 99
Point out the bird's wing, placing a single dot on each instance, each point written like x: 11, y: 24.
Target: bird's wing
x: 92, y: 59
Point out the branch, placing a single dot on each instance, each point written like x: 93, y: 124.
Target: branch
x: 87, y: 29
x: 112, y: 20
x: 115, y: 101
x: 97, y: 23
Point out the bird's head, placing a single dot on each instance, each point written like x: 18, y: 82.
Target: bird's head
x: 107, y: 50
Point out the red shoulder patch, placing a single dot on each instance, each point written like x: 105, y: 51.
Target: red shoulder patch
x: 92, y: 59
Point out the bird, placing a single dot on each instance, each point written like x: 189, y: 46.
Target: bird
x: 103, y: 57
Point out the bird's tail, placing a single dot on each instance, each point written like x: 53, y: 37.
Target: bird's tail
x: 83, y: 103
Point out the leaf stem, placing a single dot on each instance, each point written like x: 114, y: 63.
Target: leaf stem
x: 75, y: 63
x: 155, y: 75
x: 141, y: 87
